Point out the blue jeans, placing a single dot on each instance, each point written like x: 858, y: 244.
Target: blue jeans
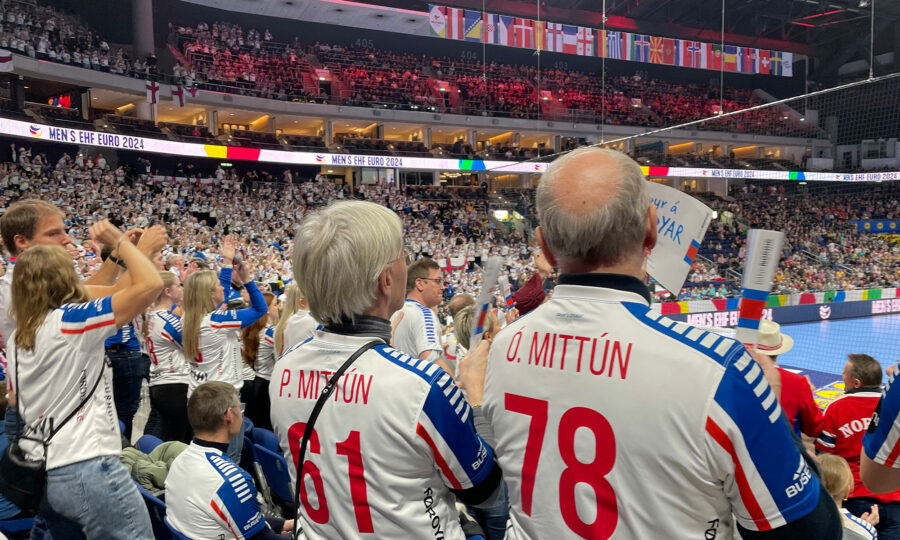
x: 99, y: 495
x: 128, y: 373
x: 888, y: 515
x: 493, y: 520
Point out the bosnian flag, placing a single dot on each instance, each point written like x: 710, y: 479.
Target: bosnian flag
x: 6, y: 60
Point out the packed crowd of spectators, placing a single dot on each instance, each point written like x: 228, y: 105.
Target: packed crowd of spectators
x: 46, y: 33
x: 257, y: 208
x: 225, y: 54
x: 823, y: 250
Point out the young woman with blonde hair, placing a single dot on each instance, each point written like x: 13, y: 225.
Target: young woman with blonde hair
x: 168, y: 368
x: 211, y: 337
x: 56, y: 363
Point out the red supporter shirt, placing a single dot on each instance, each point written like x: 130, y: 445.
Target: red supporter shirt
x: 798, y: 404
x: 846, y: 421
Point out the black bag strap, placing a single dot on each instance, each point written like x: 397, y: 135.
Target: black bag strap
x: 55, y: 429
x: 314, y: 415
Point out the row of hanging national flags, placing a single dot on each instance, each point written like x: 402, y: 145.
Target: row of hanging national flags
x: 481, y: 27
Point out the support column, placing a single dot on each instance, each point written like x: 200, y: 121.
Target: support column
x: 328, y: 132
x: 472, y: 138
x: 271, y: 127
x: 379, y: 131
x: 212, y: 121
x: 557, y: 144
x: 436, y: 178
x: 426, y: 137
x: 142, y: 27
x: 145, y: 111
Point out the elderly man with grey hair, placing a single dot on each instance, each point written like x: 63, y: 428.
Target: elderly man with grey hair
x: 394, y: 447
x: 612, y: 421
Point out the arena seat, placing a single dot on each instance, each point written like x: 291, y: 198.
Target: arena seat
x: 157, y: 511
x: 147, y: 443
x: 275, y: 469
x: 266, y: 439
x: 175, y: 533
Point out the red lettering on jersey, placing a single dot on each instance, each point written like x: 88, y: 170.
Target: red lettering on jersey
x: 581, y: 340
x: 562, y: 359
x: 305, y: 386
x: 284, y: 381
x: 510, y: 353
x: 534, y: 354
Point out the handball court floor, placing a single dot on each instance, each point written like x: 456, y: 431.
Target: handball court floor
x: 821, y: 348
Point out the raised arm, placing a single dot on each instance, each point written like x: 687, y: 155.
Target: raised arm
x: 145, y: 283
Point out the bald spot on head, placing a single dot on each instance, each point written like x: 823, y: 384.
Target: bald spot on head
x: 584, y: 183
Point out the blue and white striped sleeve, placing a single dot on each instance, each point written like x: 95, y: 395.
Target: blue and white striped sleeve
x: 427, y: 332
x: 241, y: 318
x: 172, y: 328
x: 87, y: 325
x: 881, y: 442
x: 745, y: 428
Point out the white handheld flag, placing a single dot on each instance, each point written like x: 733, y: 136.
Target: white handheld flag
x: 681, y: 222
x: 483, y: 304
x: 152, y: 91
x: 763, y: 254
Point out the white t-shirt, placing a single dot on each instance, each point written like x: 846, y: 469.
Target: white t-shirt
x: 57, y: 375
x: 6, y: 323
x: 419, y: 330
x: 219, y: 351
x: 208, y: 496
x: 615, y: 422
x: 167, y: 363
x: 300, y: 327
x: 265, y: 355
x: 400, y: 423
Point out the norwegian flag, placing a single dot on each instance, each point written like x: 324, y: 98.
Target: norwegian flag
x: 152, y: 91
x: 178, y: 95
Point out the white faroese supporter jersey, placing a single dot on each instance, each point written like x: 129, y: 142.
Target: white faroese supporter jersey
x: 6, y: 323
x: 57, y: 375
x: 219, y: 351
x: 167, y: 363
x: 209, y: 497
x: 612, y: 421
x: 418, y: 331
x: 300, y: 327
x: 386, y: 449
x: 265, y: 355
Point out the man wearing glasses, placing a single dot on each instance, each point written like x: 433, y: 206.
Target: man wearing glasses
x: 418, y: 332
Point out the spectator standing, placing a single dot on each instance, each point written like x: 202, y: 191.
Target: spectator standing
x: 258, y: 352
x: 56, y: 359
x: 796, y: 395
x: 419, y: 331
x: 414, y: 451
x: 559, y: 406
x: 211, y: 337
x: 168, y: 369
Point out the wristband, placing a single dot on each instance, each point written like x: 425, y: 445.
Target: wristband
x: 118, y: 261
